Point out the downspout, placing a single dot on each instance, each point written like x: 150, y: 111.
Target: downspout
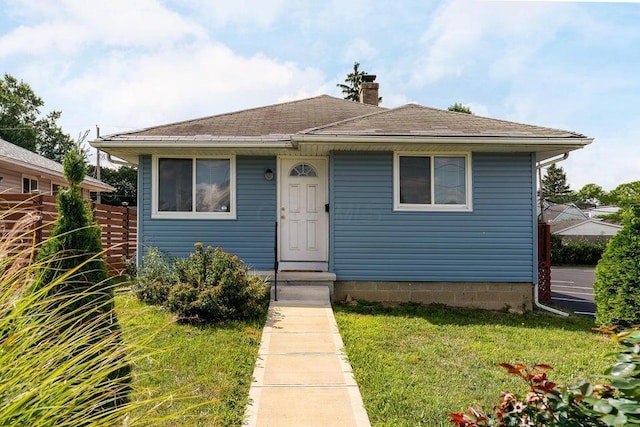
x: 111, y: 159
x: 117, y: 162
x: 536, y: 299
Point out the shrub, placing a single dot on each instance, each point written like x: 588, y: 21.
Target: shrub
x: 578, y: 405
x: 155, y: 278
x: 580, y: 252
x: 73, y: 259
x: 617, y: 284
x: 215, y: 286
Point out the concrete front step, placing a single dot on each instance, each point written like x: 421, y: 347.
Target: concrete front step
x: 300, y: 279
x: 301, y: 294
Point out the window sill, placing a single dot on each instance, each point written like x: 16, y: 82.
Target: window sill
x: 194, y: 215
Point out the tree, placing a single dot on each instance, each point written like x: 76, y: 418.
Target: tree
x: 554, y: 185
x: 626, y: 195
x: 591, y: 195
x: 351, y: 90
x: 21, y: 122
x: 617, y: 284
x: 125, y: 181
x: 75, y: 249
x: 459, y: 108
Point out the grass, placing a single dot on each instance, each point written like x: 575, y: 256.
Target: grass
x: 416, y: 364
x: 210, y: 365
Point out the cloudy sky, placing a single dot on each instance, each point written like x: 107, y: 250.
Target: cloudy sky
x: 124, y: 64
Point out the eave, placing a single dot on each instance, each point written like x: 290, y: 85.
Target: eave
x: 320, y: 145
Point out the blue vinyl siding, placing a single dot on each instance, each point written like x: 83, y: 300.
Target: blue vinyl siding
x: 250, y: 236
x: 370, y: 241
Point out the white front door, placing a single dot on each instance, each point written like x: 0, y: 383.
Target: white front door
x: 303, y: 219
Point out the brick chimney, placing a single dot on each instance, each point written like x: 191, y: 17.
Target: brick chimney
x: 369, y: 90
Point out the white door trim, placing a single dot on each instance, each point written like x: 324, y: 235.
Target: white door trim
x: 281, y: 180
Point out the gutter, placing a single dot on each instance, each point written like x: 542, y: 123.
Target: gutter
x: 536, y: 299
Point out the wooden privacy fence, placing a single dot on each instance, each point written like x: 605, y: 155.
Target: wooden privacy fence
x: 118, y: 224
x: 544, y: 262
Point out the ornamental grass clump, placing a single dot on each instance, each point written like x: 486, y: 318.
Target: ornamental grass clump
x: 215, y: 286
x: 60, y: 366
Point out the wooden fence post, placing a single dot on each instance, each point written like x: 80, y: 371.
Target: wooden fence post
x: 40, y: 221
x: 126, y: 233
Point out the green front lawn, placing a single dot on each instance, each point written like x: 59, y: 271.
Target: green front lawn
x: 414, y: 365
x: 206, y: 368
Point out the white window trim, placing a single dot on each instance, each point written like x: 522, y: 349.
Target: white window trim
x: 193, y: 215
x: 397, y: 206
x: 31, y: 178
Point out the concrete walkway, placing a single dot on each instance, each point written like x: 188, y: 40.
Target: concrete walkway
x: 302, y: 377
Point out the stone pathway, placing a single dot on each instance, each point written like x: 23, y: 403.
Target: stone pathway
x: 302, y: 377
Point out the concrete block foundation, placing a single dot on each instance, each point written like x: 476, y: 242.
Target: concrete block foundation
x: 490, y: 296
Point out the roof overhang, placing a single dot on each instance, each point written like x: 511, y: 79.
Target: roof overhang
x: 304, y: 144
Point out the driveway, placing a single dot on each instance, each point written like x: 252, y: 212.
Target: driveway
x: 572, y: 289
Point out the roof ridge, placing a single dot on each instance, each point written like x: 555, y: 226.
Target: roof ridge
x: 230, y: 113
x: 350, y: 119
x: 383, y: 110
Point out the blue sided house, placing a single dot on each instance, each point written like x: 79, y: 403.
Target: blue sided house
x: 403, y: 204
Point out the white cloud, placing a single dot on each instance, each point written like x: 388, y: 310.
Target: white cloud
x: 465, y: 35
x: 243, y: 13
x: 360, y: 50
x: 609, y: 161
x: 124, y: 92
x: 76, y: 24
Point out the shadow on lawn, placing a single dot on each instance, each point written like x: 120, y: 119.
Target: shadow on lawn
x: 439, y: 314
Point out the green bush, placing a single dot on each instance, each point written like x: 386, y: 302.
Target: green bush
x: 155, y: 278
x: 617, y: 285
x: 580, y: 252
x: 215, y: 286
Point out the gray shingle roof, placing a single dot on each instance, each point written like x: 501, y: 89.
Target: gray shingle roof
x: 326, y: 115
x: 280, y: 119
x: 29, y: 159
x: 416, y: 120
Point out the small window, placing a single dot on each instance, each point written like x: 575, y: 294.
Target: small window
x: 432, y: 182
x: 29, y: 185
x: 56, y: 189
x: 194, y: 187
x: 303, y: 169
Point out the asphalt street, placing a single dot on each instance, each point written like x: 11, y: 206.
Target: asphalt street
x: 572, y: 289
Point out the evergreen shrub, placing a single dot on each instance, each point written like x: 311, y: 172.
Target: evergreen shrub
x: 72, y: 259
x: 617, y: 285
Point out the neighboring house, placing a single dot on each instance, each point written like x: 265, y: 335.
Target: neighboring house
x: 572, y: 223
x: 23, y: 171
x: 601, y: 211
x: 409, y: 203
x: 555, y: 213
x: 590, y: 229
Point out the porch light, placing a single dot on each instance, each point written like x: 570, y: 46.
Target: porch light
x: 268, y: 174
